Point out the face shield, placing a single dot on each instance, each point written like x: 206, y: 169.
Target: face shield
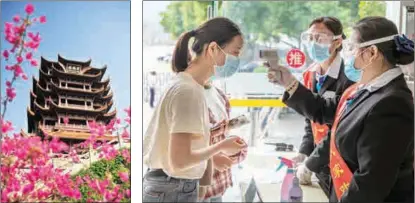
x: 350, y: 48
x: 319, y: 38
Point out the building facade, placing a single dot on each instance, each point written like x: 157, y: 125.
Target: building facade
x: 66, y: 97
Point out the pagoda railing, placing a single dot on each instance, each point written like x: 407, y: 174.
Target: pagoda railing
x: 72, y: 126
x: 77, y: 106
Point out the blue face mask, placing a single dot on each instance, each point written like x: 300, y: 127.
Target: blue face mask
x: 228, y: 69
x: 350, y: 70
x: 318, y: 52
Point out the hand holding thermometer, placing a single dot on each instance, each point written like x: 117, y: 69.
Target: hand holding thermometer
x: 271, y: 58
x: 277, y: 74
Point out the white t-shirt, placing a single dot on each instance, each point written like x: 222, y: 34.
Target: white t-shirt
x: 182, y: 109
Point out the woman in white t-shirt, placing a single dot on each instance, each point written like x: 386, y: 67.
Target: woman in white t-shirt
x: 176, y: 144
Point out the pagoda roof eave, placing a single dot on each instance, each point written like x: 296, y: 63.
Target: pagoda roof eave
x: 89, y: 68
x: 108, y: 116
x: 41, y: 72
x: 82, y: 63
x: 104, y: 82
x: 38, y: 107
x: 30, y: 111
x: 108, y: 96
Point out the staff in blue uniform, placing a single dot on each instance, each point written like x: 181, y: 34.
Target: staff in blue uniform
x: 372, y: 143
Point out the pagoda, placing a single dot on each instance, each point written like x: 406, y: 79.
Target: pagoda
x: 67, y: 96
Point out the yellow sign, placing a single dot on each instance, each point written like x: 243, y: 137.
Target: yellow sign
x: 256, y: 103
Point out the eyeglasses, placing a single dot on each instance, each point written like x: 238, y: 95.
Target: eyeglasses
x: 321, y: 38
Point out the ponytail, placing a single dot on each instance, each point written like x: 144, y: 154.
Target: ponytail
x: 220, y: 30
x: 181, y: 55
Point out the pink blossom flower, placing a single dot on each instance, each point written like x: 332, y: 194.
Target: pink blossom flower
x: 74, y: 156
x: 24, y: 76
x: 6, y: 54
x: 33, y: 63
x: 9, y: 67
x: 11, y: 93
x: 29, y: 9
x: 42, y: 19
x: 35, y: 38
x: 111, y: 125
x: 18, y: 70
x: 6, y: 126
x: 126, y: 155
x: 16, y: 18
x: 123, y: 176
x: 29, y: 55
x: 19, y: 59
x: 57, y: 146
x: 28, y: 188
x: 128, y: 193
x: 66, y: 120
x: 108, y: 151
x: 125, y: 134
x: 79, y: 181
x: 8, y: 27
x: 128, y: 111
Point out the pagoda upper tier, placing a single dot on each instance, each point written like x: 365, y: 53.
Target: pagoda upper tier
x: 67, y: 96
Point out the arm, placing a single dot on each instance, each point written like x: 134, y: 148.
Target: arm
x: 310, y: 105
x: 320, y: 156
x: 183, y: 157
x: 307, y: 144
x: 386, y: 140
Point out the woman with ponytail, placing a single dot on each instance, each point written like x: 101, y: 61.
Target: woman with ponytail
x: 177, y: 142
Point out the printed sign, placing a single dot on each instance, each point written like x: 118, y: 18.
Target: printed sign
x: 295, y: 58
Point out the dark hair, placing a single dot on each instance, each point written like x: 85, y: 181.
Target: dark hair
x: 371, y: 28
x: 220, y: 30
x: 333, y: 24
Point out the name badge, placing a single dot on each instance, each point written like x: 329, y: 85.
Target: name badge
x: 329, y: 94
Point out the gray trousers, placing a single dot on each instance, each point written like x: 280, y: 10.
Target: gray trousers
x: 161, y: 188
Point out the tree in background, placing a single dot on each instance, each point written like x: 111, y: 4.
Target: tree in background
x: 183, y: 16
x: 267, y: 21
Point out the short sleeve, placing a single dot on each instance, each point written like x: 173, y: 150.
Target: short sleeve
x: 186, y: 111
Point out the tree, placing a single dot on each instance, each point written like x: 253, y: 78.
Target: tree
x: 268, y: 22
x: 183, y: 16
x: 372, y: 8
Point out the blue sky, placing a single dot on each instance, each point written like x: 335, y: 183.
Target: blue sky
x: 76, y: 30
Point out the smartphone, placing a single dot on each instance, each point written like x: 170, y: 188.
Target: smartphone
x: 234, y: 123
x: 238, y: 121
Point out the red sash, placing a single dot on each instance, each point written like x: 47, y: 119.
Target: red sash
x: 319, y: 131
x: 340, y: 172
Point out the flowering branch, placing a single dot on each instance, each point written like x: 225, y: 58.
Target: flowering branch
x: 16, y: 34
